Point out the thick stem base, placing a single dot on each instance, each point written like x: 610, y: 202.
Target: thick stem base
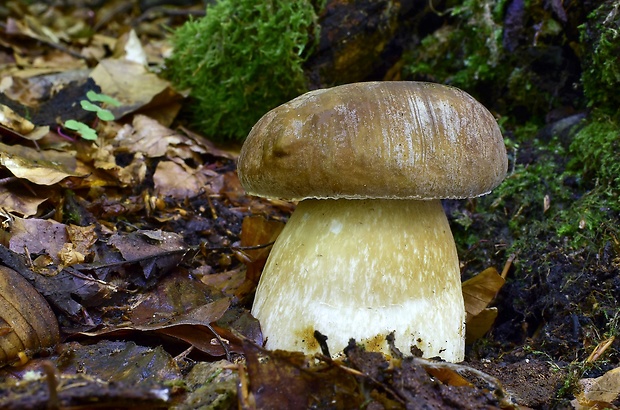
x: 362, y: 269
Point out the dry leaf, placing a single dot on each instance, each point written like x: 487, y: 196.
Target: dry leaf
x: 83, y: 238
x: 128, y: 47
x: 44, y: 167
x: 69, y: 256
x: 128, y: 82
x: 600, y: 392
x: 38, y: 236
x: 480, y: 324
x: 14, y: 121
x: 31, y: 324
x: 448, y: 376
x: 480, y: 290
x: 600, y: 349
x: 177, y: 180
x: 148, y: 137
x: 19, y: 202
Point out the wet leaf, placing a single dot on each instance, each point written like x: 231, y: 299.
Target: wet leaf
x: 112, y: 374
x: 180, y: 308
x: 448, y: 376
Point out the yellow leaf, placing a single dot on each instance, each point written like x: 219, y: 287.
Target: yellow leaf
x: 480, y: 290
x: 601, y: 391
x: 480, y: 324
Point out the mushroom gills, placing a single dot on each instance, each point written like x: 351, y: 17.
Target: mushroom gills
x: 362, y: 269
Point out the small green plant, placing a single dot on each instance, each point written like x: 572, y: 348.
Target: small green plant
x: 103, y: 114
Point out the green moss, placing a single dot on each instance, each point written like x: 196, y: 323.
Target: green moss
x: 573, y: 202
x: 596, y: 149
x: 600, y: 40
x: 534, y: 193
x: 462, y: 54
x: 516, y: 62
x: 240, y: 60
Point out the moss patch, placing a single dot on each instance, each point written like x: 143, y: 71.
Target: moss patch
x: 600, y: 40
x: 240, y: 60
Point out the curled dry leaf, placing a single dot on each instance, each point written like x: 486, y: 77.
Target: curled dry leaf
x: 14, y: 121
x: 478, y: 292
x: 27, y: 324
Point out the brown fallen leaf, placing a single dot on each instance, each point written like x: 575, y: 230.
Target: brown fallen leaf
x: 43, y: 167
x: 285, y: 380
x: 480, y: 290
x: 187, y: 311
x: 112, y: 374
x: 14, y: 121
x: 38, y: 236
x: 259, y: 232
x: 480, y: 324
x: 15, y: 125
x: 27, y: 324
x: 16, y: 201
x: 598, y: 393
x: 155, y: 251
x: 147, y: 136
x: 132, y: 84
x: 179, y: 180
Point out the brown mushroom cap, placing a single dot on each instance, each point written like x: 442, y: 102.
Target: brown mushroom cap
x: 375, y: 140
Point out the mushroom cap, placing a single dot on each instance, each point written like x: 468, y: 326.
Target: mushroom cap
x: 393, y: 140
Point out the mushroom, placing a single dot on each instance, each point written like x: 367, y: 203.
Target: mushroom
x: 368, y: 250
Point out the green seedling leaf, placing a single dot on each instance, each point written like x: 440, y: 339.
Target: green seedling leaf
x: 88, y: 106
x: 102, y: 113
x: 84, y: 130
x: 106, y: 99
x: 105, y: 115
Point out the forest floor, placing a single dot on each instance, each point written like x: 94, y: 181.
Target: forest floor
x: 148, y: 251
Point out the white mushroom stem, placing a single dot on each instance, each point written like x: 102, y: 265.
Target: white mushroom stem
x: 362, y: 269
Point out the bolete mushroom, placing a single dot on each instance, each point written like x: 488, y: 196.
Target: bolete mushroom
x: 368, y: 250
